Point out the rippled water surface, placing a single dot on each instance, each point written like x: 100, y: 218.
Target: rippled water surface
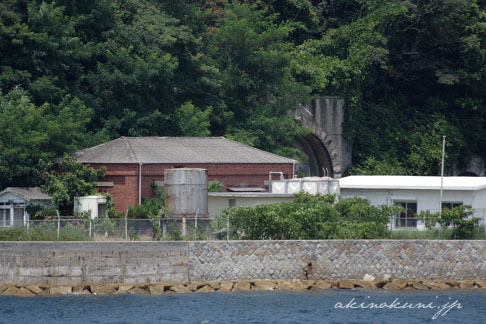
x: 248, y: 307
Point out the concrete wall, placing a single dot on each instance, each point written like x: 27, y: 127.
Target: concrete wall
x: 325, y: 116
x: 142, y: 262
x: 73, y: 263
x: 330, y: 112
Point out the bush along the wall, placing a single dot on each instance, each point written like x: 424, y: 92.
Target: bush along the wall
x: 459, y: 219
x: 311, y: 217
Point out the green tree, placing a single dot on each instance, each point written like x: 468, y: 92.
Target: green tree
x: 72, y: 179
x: 151, y: 67
x: 311, y: 217
x: 30, y: 133
x: 192, y: 121
x: 403, y: 69
x: 252, y: 53
x: 459, y: 219
x: 410, y: 71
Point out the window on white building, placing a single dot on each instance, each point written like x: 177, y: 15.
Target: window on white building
x: 406, y: 218
x: 450, y: 205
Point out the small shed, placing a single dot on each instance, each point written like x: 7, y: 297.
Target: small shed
x: 13, y: 203
x: 96, y: 205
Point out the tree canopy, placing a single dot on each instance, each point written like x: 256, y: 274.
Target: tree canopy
x: 73, y: 180
x: 310, y: 217
x: 76, y: 73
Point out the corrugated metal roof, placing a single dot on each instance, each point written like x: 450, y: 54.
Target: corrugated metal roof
x: 28, y: 193
x: 176, y: 150
x: 412, y: 182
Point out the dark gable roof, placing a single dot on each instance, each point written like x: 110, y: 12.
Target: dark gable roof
x: 176, y: 150
x: 28, y: 193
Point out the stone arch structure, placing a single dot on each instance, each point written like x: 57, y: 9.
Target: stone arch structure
x: 326, y: 147
x: 475, y: 167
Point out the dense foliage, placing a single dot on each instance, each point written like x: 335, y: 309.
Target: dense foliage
x: 153, y: 208
x: 215, y: 186
x: 73, y: 180
x: 310, y: 217
x: 76, y: 73
x: 459, y: 219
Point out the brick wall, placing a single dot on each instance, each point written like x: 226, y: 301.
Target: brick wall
x: 125, y: 184
x: 125, y: 177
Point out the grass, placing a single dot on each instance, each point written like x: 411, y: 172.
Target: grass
x: 43, y: 232
x: 72, y: 232
x: 433, y: 234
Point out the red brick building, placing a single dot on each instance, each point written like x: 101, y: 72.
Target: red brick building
x: 135, y: 164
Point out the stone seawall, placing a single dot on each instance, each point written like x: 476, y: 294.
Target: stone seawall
x: 86, y: 263
x: 337, y: 259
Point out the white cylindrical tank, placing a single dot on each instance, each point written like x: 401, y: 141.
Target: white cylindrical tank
x: 186, y: 191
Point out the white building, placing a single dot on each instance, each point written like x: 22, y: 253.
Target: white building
x: 417, y: 194
x: 13, y: 203
x: 95, y: 205
x: 282, y: 190
x: 219, y: 201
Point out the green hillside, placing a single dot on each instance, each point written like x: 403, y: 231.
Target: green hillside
x: 76, y: 73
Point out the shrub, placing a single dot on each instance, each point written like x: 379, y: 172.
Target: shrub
x: 150, y: 208
x: 215, y: 186
x: 37, y: 212
x: 311, y: 217
x: 459, y: 219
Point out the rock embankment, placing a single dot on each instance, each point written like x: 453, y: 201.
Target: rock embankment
x: 11, y: 289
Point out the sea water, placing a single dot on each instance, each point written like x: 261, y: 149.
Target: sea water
x: 327, y: 306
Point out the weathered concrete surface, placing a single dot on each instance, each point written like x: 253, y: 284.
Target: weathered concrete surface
x: 337, y: 259
x: 325, y: 117
x: 75, y: 263
x: 92, y: 263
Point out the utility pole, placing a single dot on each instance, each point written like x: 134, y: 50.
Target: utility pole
x: 441, y: 179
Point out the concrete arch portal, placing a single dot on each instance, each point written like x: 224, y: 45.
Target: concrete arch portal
x: 319, y: 162
x: 474, y: 167
x: 326, y: 148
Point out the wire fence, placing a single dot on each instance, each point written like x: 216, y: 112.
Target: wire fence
x: 417, y: 227
x: 109, y: 229
x: 194, y: 229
